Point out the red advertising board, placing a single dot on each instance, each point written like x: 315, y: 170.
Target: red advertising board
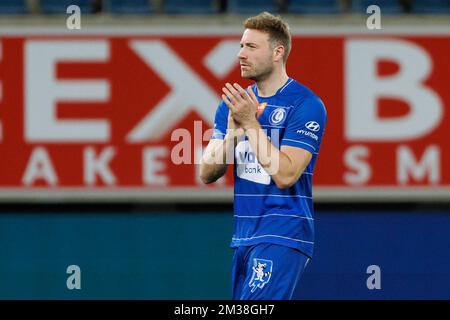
x: 108, y: 115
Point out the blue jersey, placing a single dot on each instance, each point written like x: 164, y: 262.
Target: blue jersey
x: 295, y: 117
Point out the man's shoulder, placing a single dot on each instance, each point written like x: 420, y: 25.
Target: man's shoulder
x: 298, y: 92
x: 300, y: 95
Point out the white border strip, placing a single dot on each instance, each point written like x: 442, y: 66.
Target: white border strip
x: 321, y: 194
x: 87, y: 194
x: 162, y: 30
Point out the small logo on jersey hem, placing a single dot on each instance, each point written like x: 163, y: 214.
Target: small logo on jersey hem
x: 262, y: 271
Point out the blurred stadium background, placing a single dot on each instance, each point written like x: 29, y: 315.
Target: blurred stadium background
x: 87, y: 122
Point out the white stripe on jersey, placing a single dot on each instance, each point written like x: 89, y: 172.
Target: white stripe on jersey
x: 314, y: 148
x: 286, y: 85
x: 274, y: 105
x: 275, y: 214
x: 271, y: 195
x: 271, y: 235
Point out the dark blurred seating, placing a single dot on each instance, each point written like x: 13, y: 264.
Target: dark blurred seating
x: 128, y: 6
x: 60, y: 6
x: 211, y: 7
x: 430, y: 6
x: 386, y: 6
x: 191, y: 7
x: 314, y: 6
x: 252, y: 6
x: 13, y: 7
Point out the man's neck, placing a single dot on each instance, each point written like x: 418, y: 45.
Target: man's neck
x: 268, y: 87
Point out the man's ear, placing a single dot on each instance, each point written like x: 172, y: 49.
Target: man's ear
x: 278, y: 53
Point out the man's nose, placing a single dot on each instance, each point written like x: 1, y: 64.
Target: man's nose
x: 241, y: 54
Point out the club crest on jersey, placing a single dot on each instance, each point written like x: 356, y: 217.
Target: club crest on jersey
x: 277, y: 116
x: 262, y: 270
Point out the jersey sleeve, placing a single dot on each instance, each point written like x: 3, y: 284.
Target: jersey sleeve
x: 220, y: 122
x: 306, y: 125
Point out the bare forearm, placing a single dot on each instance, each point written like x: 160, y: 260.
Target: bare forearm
x: 275, y: 162
x: 215, y: 160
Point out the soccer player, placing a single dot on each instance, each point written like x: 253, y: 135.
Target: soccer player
x: 273, y: 131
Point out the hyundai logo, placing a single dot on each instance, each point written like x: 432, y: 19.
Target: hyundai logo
x: 313, y: 126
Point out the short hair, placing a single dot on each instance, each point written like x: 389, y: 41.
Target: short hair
x: 275, y: 27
